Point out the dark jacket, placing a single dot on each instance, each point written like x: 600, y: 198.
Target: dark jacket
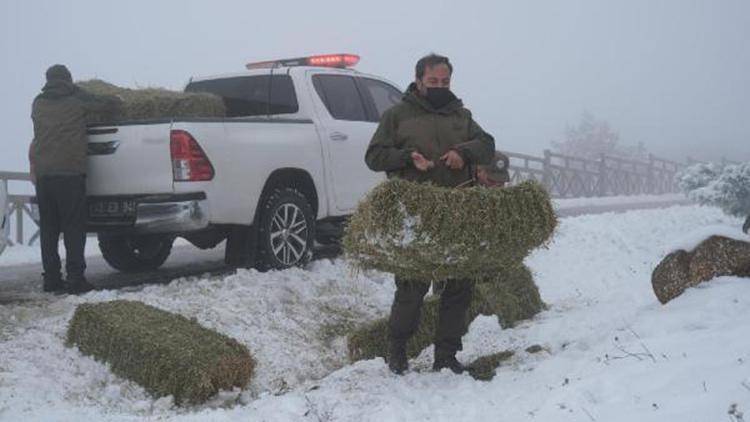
x: 414, y: 125
x: 60, y: 115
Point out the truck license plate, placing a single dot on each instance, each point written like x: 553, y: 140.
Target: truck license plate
x: 112, y: 208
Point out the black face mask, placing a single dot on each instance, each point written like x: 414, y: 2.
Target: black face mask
x: 439, y: 97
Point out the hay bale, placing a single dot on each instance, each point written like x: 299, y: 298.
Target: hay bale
x: 484, y: 368
x: 511, y: 295
x: 714, y: 257
x: 534, y: 348
x: 164, y: 352
x: 672, y: 276
x: 154, y: 103
x: 719, y: 256
x: 371, y: 340
x: 424, y: 232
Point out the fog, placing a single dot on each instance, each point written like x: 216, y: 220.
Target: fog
x: 673, y: 74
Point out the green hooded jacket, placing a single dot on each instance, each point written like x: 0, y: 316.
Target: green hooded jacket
x: 414, y: 125
x: 60, y: 115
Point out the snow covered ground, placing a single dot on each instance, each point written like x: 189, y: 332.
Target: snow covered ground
x: 611, y: 351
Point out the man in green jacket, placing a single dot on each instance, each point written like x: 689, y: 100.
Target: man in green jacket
x: 429, y: 137
x: 58, y: 162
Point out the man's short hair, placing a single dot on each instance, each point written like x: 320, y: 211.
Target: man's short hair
x: 431, y: 60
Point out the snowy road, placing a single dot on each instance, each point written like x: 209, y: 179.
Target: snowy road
x: 22, y: 281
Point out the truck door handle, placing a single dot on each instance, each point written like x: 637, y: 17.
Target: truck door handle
x: 338, y: 136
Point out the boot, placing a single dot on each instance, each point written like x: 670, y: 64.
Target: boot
x: 449, y: 362
x: 398, y: 363
x: 78, y: 285
x: 55, y: 287
x: 53, y: 283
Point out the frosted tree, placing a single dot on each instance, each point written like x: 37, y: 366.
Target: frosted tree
x: 593, y: 137
x: 698, y: 176
x: 730, y: 190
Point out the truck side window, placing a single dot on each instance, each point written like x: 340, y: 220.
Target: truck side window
x: 383, y: 95
x: 252, y: 95
x: 340, y: 96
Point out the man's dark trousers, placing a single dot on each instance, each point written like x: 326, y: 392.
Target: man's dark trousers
x: 454, y: 303
x: 62, y: 209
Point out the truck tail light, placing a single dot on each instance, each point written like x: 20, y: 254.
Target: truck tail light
x: 189, y: 162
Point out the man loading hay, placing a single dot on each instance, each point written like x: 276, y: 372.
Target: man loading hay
x: 57, y: 157
x: 429, y: 137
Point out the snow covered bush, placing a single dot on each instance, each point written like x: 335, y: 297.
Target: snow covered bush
x: 698, y: 176
x: 729, y: 190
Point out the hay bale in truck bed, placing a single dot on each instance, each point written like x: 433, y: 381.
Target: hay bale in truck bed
x: 165, y: 353
x: 155, y: 103
x: 425, y: 232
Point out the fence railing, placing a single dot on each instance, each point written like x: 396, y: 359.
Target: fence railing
x: 18, y: 207
x: 568, y: 177
x: 563, y: 176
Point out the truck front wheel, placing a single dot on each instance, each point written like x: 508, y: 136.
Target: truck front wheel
x: 286, y: 230
x: 130, y: 253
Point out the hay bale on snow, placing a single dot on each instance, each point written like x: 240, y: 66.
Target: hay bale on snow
x: 164, y: 352
x: 155, y: 103
x: 484, y: 368
x: 714, y: 257
x: 511, y: 295
x: 421, y: 231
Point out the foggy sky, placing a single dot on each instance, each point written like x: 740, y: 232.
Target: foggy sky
x: 673, y: 74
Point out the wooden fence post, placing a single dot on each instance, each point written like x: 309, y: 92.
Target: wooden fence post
x: 651, y: 176
x: 547, y: 168
x: 602, y: 175
x: 18, y: 209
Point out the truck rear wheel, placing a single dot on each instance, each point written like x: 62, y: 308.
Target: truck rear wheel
x: 131, y: 253
x: 286, y: 230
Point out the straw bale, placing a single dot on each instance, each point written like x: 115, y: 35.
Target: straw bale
x: 424, y: 232
x: 165, y: 353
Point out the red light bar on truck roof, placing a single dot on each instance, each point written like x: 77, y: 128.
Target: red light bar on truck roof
x: 327, y: 60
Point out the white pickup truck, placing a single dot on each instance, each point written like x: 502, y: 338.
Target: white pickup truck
x: 282, y: 170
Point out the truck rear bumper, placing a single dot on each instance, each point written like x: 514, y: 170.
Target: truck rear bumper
x: 150, y: 213
x: 171, y: 217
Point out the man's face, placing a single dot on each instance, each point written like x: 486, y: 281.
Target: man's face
x: 438, y: 76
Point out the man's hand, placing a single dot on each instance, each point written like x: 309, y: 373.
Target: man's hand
x: 421, y: 163
x: 453, y: 160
